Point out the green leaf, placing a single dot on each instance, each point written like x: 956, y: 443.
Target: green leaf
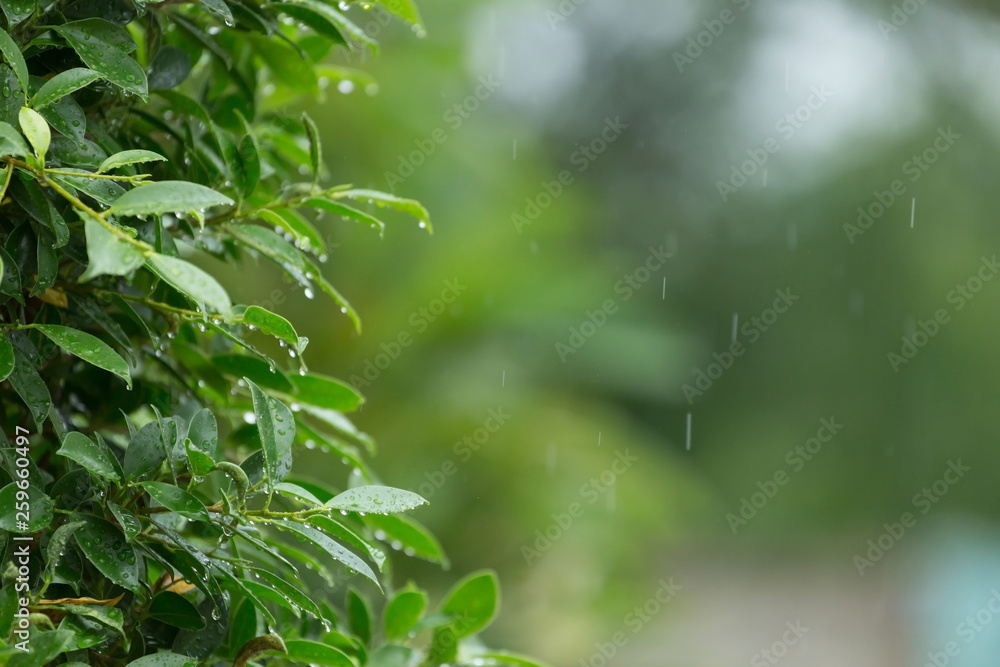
x: 326, y: 392
x: 39, y: 509
x: 17, y: 10
x: 402, y: 612
x: 63, y: 84
x: 6, y: 354
x: 89, y: 348
x: 69, y: 119
x: 385, y: 200
x: 190, y: 281
x: 125, y: 158
x: 336, y: 529
x: 171, y: 66
x: 314, y: 653
x: 30, y: 387
x: 57, y: 546
x: 404, y: 9
x: 83, y: 450
x: 271, y: 325
x: 107, y: 253
x: 302, y: 231
x: 416, y: 540
x: 474, y: 601
x: 105, y: 47
x: 359, y: 615
x: 147, y: 450
x: 168, y: 197
x: 11, y: 142
x: 12, y: 54
x: 36, y: 128
x: 106, y: 547
x: 508, y: 658
x: 315, y: 146
x: 345, y: 211
x: 277, y: 430
x: 200, y: 463
x: 220, y: 9
x: 376, y: 500
x: 286, y: 64
x: 176, y: 610
x: 130, y: 525
x: 332, y: 548
x: 177, y: 500
x: 45, y: 646
x: 204, y: 432
x: 164, y: 659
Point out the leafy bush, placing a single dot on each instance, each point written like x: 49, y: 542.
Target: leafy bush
x: 149, y: 509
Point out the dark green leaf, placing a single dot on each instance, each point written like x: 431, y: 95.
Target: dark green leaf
x: 27, y: 511
x: 63, y: 84
x: 176, y: 610
x: 106, y: 547
x: 105, y: 47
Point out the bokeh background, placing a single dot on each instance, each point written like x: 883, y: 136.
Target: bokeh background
x: 695, y: 89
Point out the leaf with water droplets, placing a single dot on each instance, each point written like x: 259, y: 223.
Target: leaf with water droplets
x: 335, y: 550
x: 316, y: 653
x: 11, y: 142
x: 168, y: 197
x: 106, y: 547
x: 87, y: 453
x: 176, y: 610
x: 57, y: 546
x: 375, y: 499
x: 105, y: 47
x: 89, y: 348
x: 129, y: 523
x: 12, y: 54
x: 164, y: 659
x: 39, y: 510
x: 271, y: 325
x: 413, y: 537
x: 30, y: 387
x: 177, y: 500
x: 404, y: 9
x: 63, y: 84
x: 190, y: 281
x: 125, y: 158
x: 147, y: 450
x: 382, y: 199
x: 17, y: 10
x: 276, y: 426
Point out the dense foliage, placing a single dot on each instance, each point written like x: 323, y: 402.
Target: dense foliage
x: 149, y: 508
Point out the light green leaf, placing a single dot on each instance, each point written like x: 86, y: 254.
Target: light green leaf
x: 39, y: 510
x: 200, y: 463
x: 375, y: 499
x: 130, y: 525
x: 105, y: 47
x: 108, y: 254
x: 89, y: 348
x: 385, y: 200
x: 406, y: 10
x: 314, y: 653
x: 508, y: 658
x: 402, y: 612
x: 125, y: 158
x: 345, y: 211
x: 271, y: 325
x: 87, y: 453
x: 63, y: 84
x: 190, y: 281
x: 12, y: 54
x: 168, y: 197
x: 474, y: 601
x: 326, y: 392
x: 36, y: 128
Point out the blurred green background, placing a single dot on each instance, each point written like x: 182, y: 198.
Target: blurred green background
x: 696, y: 90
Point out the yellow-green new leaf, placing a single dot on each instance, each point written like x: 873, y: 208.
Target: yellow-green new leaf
x: 37, y: 130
